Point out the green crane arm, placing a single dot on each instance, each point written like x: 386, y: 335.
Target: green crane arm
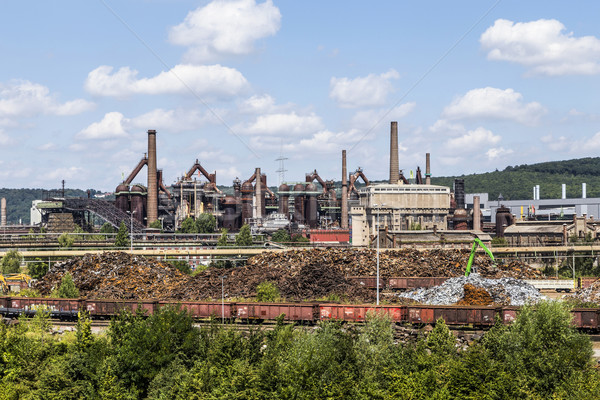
x: 476, y: 243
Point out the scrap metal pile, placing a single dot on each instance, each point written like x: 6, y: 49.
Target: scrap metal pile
x: 590, y: 294
x: 471, y: 291
x: 396, y: 263
x: 318, y: 274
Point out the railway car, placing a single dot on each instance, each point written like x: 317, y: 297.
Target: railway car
x: 480, y: 316
x: 358, y: 312
x: 109, y: 308
x: 204, y: 310
x: 292, y: 312
x: 59, y: 308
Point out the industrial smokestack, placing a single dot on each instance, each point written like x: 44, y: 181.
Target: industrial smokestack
x: 427, y: 169
x: 476, y: 214
x: 564, y: 191
x: 258, y: 193
x: 537, y: 191
x: 152, y: 181
x: 459, y: 193
x: 394, y: 165
x: 3, y: 209
x: 344, y: 192
x: 583, y: 191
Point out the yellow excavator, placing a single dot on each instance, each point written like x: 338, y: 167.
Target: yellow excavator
x: 8, y: 280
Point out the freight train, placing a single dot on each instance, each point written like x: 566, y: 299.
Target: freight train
x: 302, y: 313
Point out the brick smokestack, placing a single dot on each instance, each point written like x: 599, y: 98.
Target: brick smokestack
x: 427, y: 169
x: 394, y: 165
x: 152, y: 205
x: 344, y: 192
x: 258, y: 193
x: 3, y: 207
x: 476, y: 213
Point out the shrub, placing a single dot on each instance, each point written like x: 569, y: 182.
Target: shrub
x: 11, y: 262
x: 267, y: 292
x: 67, y: 288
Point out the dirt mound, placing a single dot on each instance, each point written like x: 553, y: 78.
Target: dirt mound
x: 475, y: 296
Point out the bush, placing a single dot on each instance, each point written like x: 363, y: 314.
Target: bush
x: 38, y: 268
x: 281, y: 236
x: 206, y: 223
x: 122, y: 239
x: 11, y: 262
x: 67, y: 288
x: 267, y: 292
x: 66, y: 240
x: 244, y: 237
x: 181, y: 265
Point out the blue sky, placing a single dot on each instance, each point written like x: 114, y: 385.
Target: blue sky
x: 478, y: 84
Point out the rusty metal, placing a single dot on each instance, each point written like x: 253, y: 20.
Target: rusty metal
x: 284, y: 199
x: 299, y: 203
x: 136, y: 170
x: 427, y: 169
x: 344, y: 222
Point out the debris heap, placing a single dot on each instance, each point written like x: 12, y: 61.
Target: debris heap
x: 395, y: 263
x: 503, y: 291
x: 590, y: 294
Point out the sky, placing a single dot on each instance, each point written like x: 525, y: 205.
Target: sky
x: 237, y: 84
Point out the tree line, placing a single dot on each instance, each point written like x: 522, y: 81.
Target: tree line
x: 163, y: 356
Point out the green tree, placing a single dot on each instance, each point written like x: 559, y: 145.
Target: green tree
x: 156, y: 225
x: 38, y: 268
x: 267, y: 292
x: 222, y: 242
x: 281, y: 236
x: 67, y: 288
x: 206, y: 223
x: 122, y: 239
x: 181, y: 265
x: 107, y: 228
x: 188, y: 226
x: 11, y: 262
x: 66, y: 240
x: 244, y: 237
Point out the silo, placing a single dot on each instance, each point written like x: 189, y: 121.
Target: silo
x: 284, y: 199
x: 247, y: 191
x: 138, y: 194
x: 311, y: 206
x: 299, y: 203
x: 122, y: 197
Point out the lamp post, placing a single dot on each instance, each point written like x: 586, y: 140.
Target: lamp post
x: 378, y: 206
x: 131, y: 230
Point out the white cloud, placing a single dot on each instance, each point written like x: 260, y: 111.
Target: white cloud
x: 178, y: 120
x: 282, y: 124
x: 223, y: 28
x: 367, y: 119
x: 47, y: 147
x: 543, y: 46
x: 64, y: 173
x: 201, y: 80
x: 369, y: 91
x: 494, y: 103
x: 5, y: 139
x: 447, y: 128
x: 258, y: 104
x: 111, y: 126
x: 228, y: 174
x: 26, y: 99
x: 498, y: 152
x: 477, y: 139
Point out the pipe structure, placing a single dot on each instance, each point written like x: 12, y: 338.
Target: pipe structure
x: 3, y: 207
x: 564, y: 191
x: 583, y: 191
x: 344, y: 222
x: 476, y: 213
x: 136, y: 170
x: 427, y: 169
x: 394, y: 164
x: 152, y: 181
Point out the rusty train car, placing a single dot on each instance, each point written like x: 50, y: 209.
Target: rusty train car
x: 305, y: 313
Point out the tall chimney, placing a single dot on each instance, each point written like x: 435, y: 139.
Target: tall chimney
x: 152, y: 181
x: 258, y: 193
x: 394, y: 165
x: 3, y: 207
x: 583, y: 191
x: 564, y: 191
x: 476, y: 214
x: 427, y: 169
x: 537, y: 190
x: 344, y: 192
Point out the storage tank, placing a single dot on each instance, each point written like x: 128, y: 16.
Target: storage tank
x: 138, y: 199
x: 122, y: 197
x: 247, y: 191
x: 299, y: 203
x: 284, y: 196
x: 311, y: 206
x: 504, y: 218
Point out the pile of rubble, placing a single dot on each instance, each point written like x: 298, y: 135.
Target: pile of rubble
x: 395, y: 263
x: 503, y: 291
x: 122, y: 276
x: 590, y: 294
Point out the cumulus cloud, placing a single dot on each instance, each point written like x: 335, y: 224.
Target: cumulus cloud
x: 202, y: 80
x: 223, y: 28
x: 21, y: 98
x: 498, y: 152
x: 366, y: 119
x: 477, y: 139
x: 47, y: 147
x: 543, y: 46
x: 64, y: 173
x: 177, y: 120
x: 369, y: 91
x: 282, y: 124
x: 494, y: 103
x: 258, y: 104
x: 111, y: 126
x: 5, y: 139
